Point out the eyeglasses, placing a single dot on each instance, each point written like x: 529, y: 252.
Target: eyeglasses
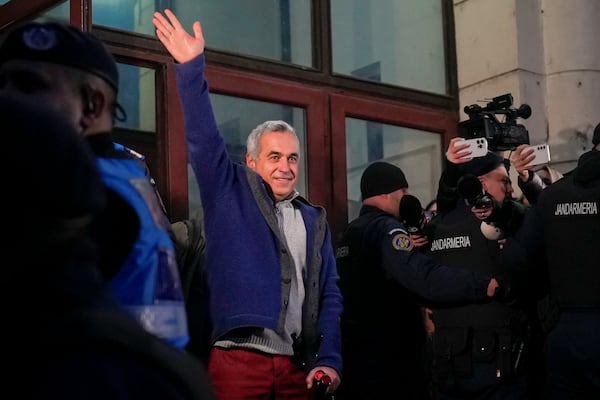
x: 505, y: 181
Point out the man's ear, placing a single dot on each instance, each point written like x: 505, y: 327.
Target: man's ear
x: 482, y: 181
x: 89, y: 107
x: 250, y: 161
x: 93, y: 101
x: 93, y: 104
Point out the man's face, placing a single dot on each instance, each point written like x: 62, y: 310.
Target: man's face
x: 277, y: 162
x: 497, y: 183
x: 43, y: 83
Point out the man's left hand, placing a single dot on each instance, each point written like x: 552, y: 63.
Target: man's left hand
x: 335, y: 378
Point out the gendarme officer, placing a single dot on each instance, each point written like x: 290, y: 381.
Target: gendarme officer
x: 565, y: 225
x: 476, y: 346
x: 382, y: 331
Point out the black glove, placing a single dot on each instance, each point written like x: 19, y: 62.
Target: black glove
x: 504, y: 293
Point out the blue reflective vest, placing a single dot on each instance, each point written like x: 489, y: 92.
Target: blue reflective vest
x: 148, y: 283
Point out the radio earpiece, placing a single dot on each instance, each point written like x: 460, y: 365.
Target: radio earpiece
x: 90, y: 107
x: 87, y: 94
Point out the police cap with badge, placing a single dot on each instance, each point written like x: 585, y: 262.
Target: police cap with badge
x: 63, y: 44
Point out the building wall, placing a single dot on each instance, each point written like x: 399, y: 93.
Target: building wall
x: 544, y: 52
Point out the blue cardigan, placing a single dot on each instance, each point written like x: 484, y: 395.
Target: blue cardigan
x: 248, y: 267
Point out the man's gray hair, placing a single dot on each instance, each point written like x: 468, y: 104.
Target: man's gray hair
x: 253, y: 141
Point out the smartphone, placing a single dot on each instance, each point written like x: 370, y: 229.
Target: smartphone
x: 477, y: 146
x: 541, y: 153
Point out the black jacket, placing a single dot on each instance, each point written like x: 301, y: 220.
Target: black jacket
x: 74, y: 341
x: 565, y: 226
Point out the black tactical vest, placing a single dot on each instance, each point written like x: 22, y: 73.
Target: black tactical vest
x: 458, y: 242
x: 572, y: 213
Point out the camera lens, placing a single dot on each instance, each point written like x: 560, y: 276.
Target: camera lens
x: 484, y: 202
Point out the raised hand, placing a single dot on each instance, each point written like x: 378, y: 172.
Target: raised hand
x: 182, y: 46
x: 458, y: 152
x: 520, y: 158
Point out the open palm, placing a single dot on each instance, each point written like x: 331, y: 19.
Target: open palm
x: 180, y: 44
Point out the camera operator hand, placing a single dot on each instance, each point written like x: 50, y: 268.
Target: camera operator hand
x: 457, y: 152
x: 493, y: 286
x: 419, y: 240
x: 482, y: 213
x: 501, y: 243
x: 504, y: 293
x: 520, y: 158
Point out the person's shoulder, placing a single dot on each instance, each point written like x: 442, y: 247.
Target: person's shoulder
x: 391, y: 225
x: 518, y: 206
x: 124, y: 346
x: 384, y: 222
x: 566, y: 183
x: 102, y: 145
x: 302, y: 201
x: 393, y: 234
x: 129, y: 153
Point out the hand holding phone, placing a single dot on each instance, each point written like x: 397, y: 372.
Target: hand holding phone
x: 541, y: 153
x: 477, y: 146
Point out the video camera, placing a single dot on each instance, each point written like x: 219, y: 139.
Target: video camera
x: 471, y: 189
x: 500, y: 135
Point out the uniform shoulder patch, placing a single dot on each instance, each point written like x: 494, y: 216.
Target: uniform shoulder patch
x: 396, y: 230
x: 401, y: 241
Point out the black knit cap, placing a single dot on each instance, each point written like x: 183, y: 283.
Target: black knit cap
x: 381, y: 178
x: 482, y: 165
x: 62, y: 44
x: 596, y: 137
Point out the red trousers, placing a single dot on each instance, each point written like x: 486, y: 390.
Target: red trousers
x: 245, y: 375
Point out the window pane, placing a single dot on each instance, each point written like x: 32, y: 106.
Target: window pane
x: 275, y: 30
x: 400, y: 42
x: 236, y: 118
x: 60, y: 12
x: 137, y: 97
x: 129, y: 15
x: 416, y: 152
